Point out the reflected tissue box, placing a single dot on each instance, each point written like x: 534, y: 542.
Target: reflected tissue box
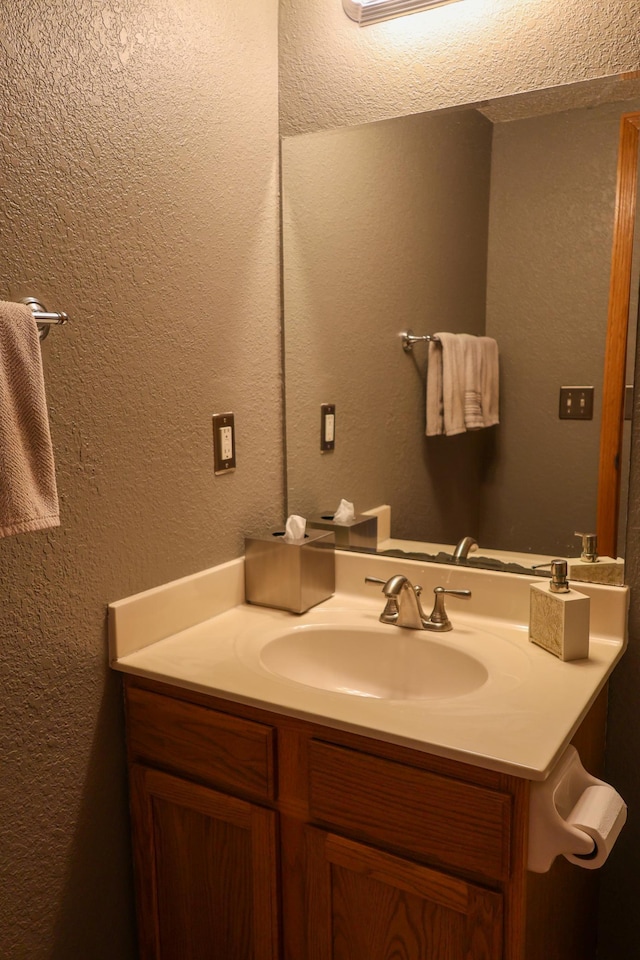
x: 289, y: 575
x: 361, y: 532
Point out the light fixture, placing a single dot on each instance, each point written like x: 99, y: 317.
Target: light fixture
x: 371, y: 11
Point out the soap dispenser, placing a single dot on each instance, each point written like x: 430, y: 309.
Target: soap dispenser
x: 559, y: 616
x: 592, y: 568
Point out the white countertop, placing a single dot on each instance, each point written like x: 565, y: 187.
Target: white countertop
x: 197, y: 633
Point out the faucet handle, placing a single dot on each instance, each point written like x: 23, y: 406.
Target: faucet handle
x: 391, y: 610
x: 439, y: 618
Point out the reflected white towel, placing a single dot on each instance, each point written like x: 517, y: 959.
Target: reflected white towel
x: 481, y: 390
x: 435, y: 413
x: 445, y: 386
x: 490, y: 382
x: 462, y: 384
x: 28, y: 495
x: 473, y: 416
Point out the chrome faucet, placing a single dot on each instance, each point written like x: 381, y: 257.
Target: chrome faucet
x: 404, y: 609
x: 461, y: 552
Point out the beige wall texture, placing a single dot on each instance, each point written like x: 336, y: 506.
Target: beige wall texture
x: 384, y: 228
x: 335, y: 73
x: 138, y: 193
x: 553, y: 195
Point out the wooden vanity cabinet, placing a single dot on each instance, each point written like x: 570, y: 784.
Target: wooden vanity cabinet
x: 262, y: 837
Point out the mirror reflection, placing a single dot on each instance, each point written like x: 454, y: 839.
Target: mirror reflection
x: 493, y: 220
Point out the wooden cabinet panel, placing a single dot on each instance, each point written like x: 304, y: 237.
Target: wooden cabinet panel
x: 207, y: 863
x: 214, y: 747
x: 458, y: 825
x: 364, y: 904
x: 206, y: 872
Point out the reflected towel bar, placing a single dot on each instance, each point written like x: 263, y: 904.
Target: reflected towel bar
x: 43, y: 318
x: 409, y: 338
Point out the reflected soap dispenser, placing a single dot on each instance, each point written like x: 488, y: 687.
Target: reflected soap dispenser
x: 559, y: 616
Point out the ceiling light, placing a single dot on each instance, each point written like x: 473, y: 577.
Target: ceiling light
x: 371, y: 11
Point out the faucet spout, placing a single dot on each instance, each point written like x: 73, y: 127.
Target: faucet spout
x: 403, y: 607
x: 461, y: 551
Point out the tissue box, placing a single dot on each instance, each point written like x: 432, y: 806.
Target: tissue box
x: 361, y: 532
x: 290, y: 575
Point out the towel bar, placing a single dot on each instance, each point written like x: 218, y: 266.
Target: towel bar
x: 409, y: 338
x: 43, y: 318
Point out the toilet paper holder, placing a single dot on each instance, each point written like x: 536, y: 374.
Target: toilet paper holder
x: 573, y: 814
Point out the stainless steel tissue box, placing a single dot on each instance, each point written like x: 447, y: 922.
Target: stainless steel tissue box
x: 290, y: 575
x: 361, y: 532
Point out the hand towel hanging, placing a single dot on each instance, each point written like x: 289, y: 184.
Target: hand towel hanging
x: 462, y: 384
x: 28, y: 494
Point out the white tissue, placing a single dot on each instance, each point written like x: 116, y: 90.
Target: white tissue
x: 294, y: 528
x: 345, y: 512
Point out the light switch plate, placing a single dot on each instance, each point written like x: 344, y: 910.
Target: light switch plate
x: 224, y: 443
x: 327, y: 426
x: 576, y: 403
x: 628, y: 401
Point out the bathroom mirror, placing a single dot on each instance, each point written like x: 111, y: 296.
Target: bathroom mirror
x: 493, y: 219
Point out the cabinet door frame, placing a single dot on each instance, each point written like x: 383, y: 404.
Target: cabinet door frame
x: 146, y: 784
x: 481, y: 908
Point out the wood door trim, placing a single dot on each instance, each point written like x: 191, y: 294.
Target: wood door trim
x: 616, y: 343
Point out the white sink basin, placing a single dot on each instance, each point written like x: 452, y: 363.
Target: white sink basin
x: 389, y: 664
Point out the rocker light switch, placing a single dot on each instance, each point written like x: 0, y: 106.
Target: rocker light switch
x: 327, y: 426
x: 224, y: 443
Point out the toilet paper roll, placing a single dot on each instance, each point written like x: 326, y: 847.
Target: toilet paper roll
x: 601, y: 813
x: 574, y: 814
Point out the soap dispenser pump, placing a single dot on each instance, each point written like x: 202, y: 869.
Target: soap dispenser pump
x: 592, y: 568
x: 559, y: 616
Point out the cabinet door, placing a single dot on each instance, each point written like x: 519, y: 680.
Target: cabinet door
x: 364, y: 904
x: 205, y: 872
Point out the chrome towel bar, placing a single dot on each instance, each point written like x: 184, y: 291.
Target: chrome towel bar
x: 43, y: 317
x: 409, y: 338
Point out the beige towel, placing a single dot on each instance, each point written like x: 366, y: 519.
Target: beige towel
x: 490, y: 382
x: 473, y: 416
x: 462, y: 384
x: 481, y: 382
x: 28, y: 495
x: 445, y: 386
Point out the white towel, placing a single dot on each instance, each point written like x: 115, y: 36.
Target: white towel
x: 28, y: 495
x: 445, y: 386
x: 462, y: 384
x: 490, y: 381
x: 473, y: 416
x: 481, y: 390
x: 435, y: 412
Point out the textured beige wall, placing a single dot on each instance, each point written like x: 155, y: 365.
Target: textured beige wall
x: 335, y: 73
x: 139, y: 193
x: 385, y: 228
x: 553, y: 194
